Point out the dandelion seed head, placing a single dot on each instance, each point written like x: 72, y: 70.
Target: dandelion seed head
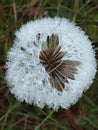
x: 28, y: 79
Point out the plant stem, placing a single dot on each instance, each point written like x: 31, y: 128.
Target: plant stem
x: 38, y: 127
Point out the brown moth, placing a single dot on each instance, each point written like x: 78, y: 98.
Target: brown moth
x: 59, y: 70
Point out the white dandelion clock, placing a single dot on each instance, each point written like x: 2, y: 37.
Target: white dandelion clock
x: 51, y: 63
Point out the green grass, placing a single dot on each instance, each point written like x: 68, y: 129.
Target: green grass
x: 15, y: 115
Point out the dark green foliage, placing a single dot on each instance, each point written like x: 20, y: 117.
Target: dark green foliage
x: 15, y: 115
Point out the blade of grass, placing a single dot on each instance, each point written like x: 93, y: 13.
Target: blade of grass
x: 76, y: 8
x: 55, y: 122
x: 58, y: 7
x: 83, y: 7
x: 14, y: 10
x: 11, y: 108
x: 90, y: 122
x: 38, y: 127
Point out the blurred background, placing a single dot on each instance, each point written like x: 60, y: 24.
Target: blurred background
x: 20, y: 116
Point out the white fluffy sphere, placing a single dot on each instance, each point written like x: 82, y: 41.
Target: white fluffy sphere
x: 27, y: 77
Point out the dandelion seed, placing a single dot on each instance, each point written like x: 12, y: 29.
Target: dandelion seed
x: 51, y: 63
